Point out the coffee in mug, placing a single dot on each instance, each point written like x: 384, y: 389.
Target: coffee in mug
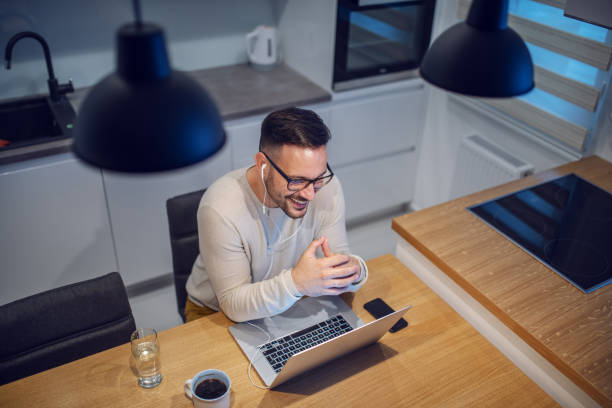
x: 208, y: 389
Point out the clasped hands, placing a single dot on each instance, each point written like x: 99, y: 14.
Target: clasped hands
x: 330, y: 275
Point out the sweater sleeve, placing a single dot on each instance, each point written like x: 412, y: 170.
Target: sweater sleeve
x: 224, y: 255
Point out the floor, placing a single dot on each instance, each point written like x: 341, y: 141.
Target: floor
x: 157, y: 308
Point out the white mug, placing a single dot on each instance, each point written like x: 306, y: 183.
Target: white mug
x: 222, y: 401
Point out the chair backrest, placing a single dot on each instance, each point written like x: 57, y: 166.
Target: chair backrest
x: 182, y: 213
x: 63, y: 324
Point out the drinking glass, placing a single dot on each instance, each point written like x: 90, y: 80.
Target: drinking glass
x: 145, y: 351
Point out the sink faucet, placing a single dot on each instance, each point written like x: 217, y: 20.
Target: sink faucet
x: 55, y: 89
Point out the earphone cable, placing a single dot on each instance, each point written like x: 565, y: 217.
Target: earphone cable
x: 255, y: 354
x: 266, y: 211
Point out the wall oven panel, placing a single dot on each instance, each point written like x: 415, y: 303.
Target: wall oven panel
x: 380, y: 42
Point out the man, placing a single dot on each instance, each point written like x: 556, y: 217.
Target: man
x: 262, y: 230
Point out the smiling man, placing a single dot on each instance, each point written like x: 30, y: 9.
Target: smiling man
x: 274, y: 232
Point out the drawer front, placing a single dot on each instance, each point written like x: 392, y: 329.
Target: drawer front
x: 375, y: 185
x: 54, y: 227
x: 375, y: 126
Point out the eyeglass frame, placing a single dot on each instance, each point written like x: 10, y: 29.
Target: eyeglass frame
x: 329, y: 176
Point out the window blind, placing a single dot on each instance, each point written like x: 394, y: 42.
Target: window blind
x: 566, y: 99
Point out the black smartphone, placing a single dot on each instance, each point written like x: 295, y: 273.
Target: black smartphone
x: 379, y: 308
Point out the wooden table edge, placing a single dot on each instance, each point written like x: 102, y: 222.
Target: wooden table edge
x: 531, y: 340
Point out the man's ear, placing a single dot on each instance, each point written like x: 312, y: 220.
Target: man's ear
x: 260, y: 161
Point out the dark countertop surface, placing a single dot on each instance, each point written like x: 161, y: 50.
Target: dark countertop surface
x: 238, y: 90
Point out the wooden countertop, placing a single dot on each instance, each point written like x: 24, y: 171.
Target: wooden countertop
x: 571, y: 329
x: 439, y: 360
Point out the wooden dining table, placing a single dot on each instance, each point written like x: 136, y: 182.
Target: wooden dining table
x: 438, y: 360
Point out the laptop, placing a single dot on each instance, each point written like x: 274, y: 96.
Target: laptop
x: 282, y: 346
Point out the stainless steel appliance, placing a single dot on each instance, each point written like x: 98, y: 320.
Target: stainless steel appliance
x: 380, y: 41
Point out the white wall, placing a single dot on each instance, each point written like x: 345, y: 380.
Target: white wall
x: 450, y: 118
x: 199, y: 33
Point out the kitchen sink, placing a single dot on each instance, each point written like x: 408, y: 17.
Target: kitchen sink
x: 34, y: 120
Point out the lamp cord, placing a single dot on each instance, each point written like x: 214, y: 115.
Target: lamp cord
x: 137, y: 13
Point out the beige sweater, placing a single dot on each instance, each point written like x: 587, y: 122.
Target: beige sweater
x: 246, y: 256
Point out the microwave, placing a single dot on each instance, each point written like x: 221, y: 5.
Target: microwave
x: 380, y: 41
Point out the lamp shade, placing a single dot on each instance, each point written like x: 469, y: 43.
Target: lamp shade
x: 146, y: 117
x: 481, y: 56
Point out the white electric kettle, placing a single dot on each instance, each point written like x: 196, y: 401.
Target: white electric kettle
x: 261, y: 47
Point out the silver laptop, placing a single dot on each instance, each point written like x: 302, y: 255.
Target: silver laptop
x: 269, y: 347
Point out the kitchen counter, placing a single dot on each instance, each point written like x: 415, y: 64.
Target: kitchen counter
x: 568, y: 328
x: 238, y: 90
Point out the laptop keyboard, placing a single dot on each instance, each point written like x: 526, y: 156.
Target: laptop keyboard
x: 278, y: 351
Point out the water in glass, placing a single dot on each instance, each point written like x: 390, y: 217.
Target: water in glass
x: 145, y: 350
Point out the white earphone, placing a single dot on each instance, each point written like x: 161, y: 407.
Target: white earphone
x: 263, y: 205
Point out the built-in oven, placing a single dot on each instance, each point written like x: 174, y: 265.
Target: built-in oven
x: 379, y: 41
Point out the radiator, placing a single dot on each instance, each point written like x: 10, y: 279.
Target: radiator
x: 482, y: 164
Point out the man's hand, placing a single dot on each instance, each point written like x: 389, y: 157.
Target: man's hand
x: 352, y: 261
x: 324, y: 276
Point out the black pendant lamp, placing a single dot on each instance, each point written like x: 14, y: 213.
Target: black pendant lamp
x: 481, y: 56
x: 146, y: 117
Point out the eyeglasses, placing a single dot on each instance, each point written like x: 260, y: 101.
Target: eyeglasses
x: 299, y: 184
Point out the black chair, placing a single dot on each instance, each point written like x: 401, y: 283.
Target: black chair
x: 64, y: 324
x: 182, y: 213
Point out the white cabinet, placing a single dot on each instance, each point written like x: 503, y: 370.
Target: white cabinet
x: 372, y: 126
x: 375, y: 185
x: 137, y: 208
x: 374, y: 144
x: 54, y: 227
x: 243, y: 135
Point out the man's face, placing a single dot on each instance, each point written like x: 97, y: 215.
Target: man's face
x: 297, y: 163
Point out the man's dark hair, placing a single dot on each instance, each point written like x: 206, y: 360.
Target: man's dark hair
x: 293, y: 126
